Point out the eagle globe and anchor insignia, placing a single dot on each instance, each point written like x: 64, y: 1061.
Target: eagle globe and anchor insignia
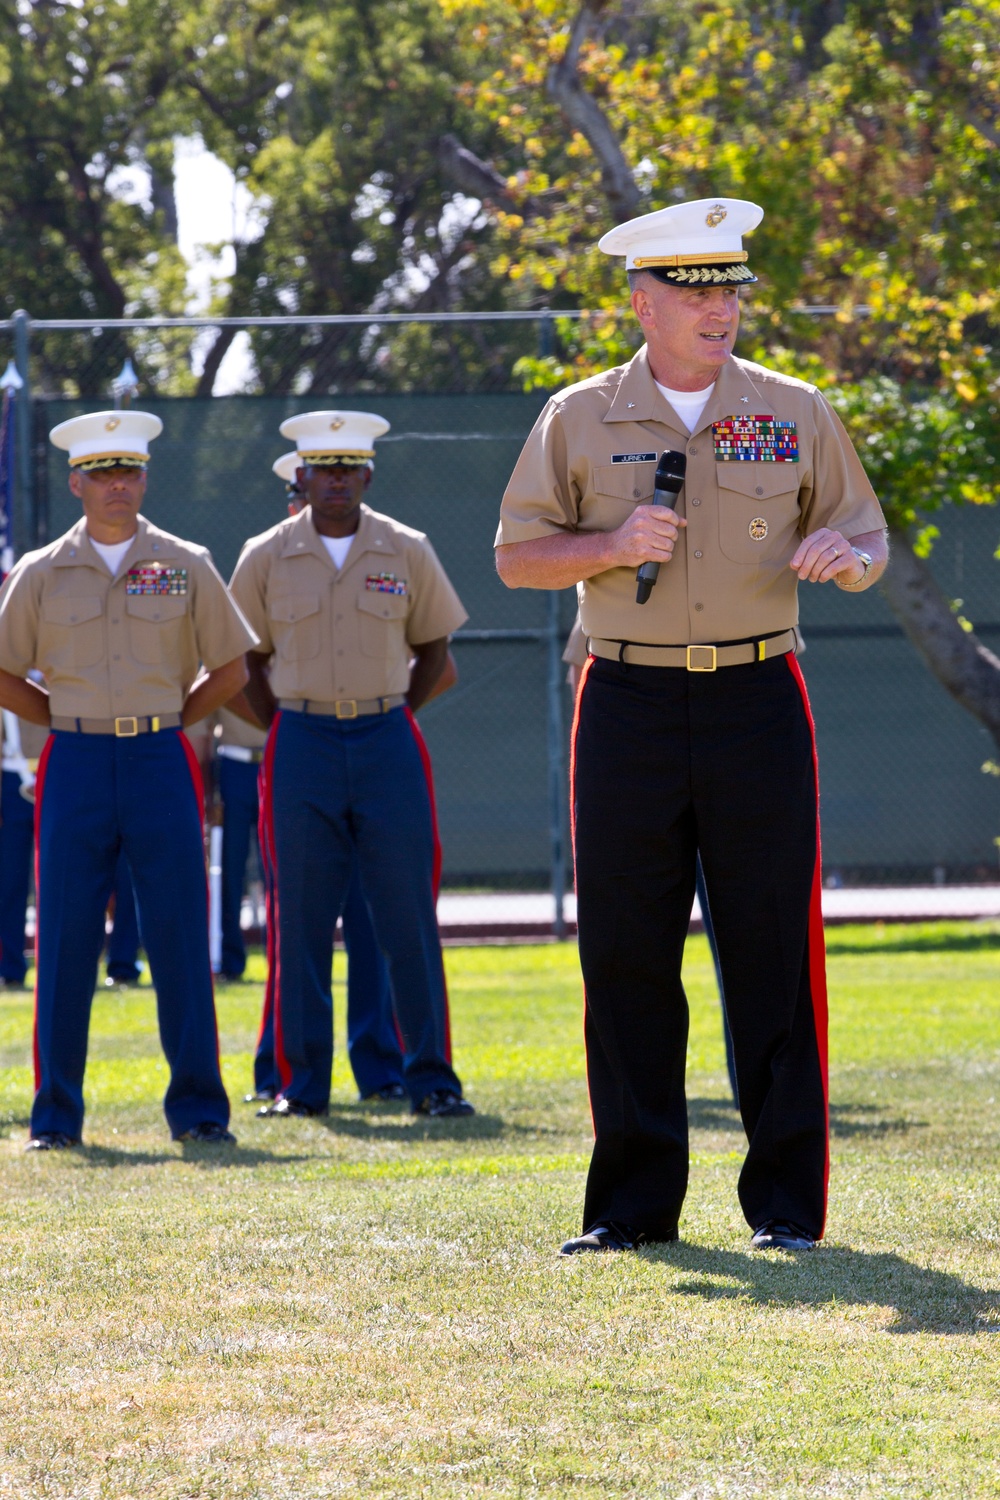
x: 758, y: 528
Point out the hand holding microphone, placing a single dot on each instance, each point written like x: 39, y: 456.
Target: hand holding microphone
x: 667, y: 484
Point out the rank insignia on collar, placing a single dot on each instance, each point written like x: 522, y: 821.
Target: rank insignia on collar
x: 633, y: 458
x: 152, y: 579
x: 385, y: 583
x: 761, y: 439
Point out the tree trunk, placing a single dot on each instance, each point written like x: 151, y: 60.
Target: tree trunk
x: 586, y: 115
x: 960, y: 662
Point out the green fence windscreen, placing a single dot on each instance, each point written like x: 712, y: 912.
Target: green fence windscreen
x: 900, y: 763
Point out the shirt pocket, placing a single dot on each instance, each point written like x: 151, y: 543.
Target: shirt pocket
x: 759, y: 512
x: 382, y: 625
x: 295, y: 626
x: 154, y: 627
x: 74, y: 630
x: 631, y: 482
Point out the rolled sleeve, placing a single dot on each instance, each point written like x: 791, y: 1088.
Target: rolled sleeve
x: 19, y: 617
x: 437, y: 610
x: 248, y: 587
x: 540, y: 499
x: 221, y: 629
x: 841, y: 494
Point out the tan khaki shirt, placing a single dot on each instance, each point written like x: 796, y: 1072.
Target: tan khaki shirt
x: 347, y: 633
x: 591, y: 458
x: 109, y: 647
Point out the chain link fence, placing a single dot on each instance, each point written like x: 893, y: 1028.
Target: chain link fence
x: 904, y: 795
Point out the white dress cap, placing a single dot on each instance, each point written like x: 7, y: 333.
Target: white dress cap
x: 327, y: 437
x: 285, y: 467
x: 690, y: 244
x: 105, y: 438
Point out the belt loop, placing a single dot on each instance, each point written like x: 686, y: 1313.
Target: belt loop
x: 621, y: 654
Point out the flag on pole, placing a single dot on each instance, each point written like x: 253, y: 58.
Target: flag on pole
x: 10, y: 384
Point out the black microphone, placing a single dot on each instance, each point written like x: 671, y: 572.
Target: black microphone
x: 668, y: 484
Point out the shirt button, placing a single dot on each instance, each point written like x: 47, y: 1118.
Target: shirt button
x: 340, y: 653
x: 692, y: 450
x: 695, y: 502
x: 636, y: 494
x: 699, y: 606
x: 114, y: 622
x: 116, y: 658
x: 697, y: 554
x: 758, y: 491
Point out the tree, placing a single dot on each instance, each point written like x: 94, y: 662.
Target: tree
x: 874, y: 146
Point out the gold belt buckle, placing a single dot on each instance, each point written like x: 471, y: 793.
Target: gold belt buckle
x: 349, y: 706
x: 713, y: 659
x: 126, y: 728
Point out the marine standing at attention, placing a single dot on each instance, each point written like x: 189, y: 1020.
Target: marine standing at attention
x: 693, y: 730
x: 342, y: 599
x: 119, y: 617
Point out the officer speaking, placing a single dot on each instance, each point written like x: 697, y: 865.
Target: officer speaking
x: 693, y: 731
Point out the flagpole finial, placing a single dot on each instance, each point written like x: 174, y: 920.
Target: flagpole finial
x: 125, y: 384
x: 10, y: 380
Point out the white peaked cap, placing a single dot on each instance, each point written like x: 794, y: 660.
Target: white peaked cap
x: 324, y: 436
x: 689, y: 243
x: 285, y: 467
x: 103, y: 436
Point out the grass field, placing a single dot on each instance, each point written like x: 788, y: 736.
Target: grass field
x: 372, y: 1304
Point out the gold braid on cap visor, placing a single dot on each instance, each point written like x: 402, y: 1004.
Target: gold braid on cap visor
x: 702, y: 275
x: 111, y: 461
x: 355, y: 459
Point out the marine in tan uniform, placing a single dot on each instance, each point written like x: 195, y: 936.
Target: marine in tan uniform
x: 135, y: 634
x: 23, y: 743
x: 693, y: 730
x: 343, y: 600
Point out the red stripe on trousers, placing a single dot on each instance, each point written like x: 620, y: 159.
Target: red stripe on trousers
x: 43, y: 764
x: 574, y: 731
x: 267, y: 816
x: 817, y: 941
x: 198, y: 787
x: 263, y: 839
x: 425, y: 760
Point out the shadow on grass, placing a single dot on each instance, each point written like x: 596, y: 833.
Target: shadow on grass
x: 846, y: 1120
x: 921, y: 1300
x: 393, y: 1125
x: 918, y: 941
x: 216, y: 1158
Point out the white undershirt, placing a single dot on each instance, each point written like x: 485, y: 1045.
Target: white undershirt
x: 688, y: 405
x: 112, y: 553
x: 338, y: 548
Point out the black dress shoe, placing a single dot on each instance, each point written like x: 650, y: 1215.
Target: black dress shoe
x: 606, y: 1236
x: 778, y: 1234
x: 443, y: 1104
x: 53, y: 1140
x: 209, y: 1133
x: 387, y: 1094
x: 259, y: 1096
x: 287, y: 1109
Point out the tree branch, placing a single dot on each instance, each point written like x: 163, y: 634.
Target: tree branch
x: 960, y: 662
x: 586, y: 115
